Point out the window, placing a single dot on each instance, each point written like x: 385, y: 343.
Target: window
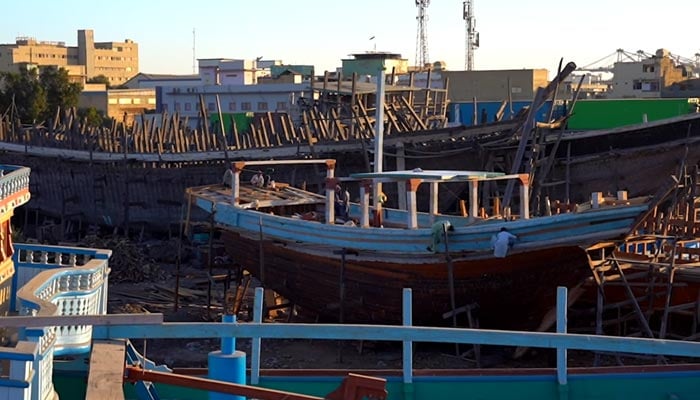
x: 164, y: 106
x: 648, y: 68
x: 245, y: 106
x: 211, y: 107
x: 177, y: 106
x: 281, y: 105
x: 188, y: 106
x: 637, y: 85
x: 232, y: 106
x: 137, y: 101
x: 262, y: 106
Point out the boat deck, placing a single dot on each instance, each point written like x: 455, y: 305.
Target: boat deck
x: 282, y: 195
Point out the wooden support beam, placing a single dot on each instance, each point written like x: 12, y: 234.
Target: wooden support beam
x: 415, y: 116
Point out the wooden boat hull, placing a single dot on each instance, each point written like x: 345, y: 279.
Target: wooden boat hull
x: 510, y: 292
x: 635, y: 158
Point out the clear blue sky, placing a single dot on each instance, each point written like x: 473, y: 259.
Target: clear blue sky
x: 514, y: 33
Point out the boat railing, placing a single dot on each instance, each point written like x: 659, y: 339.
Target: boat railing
x: 13, y: 179
x: 53, y: 281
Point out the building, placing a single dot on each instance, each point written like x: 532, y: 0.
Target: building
x: 151, y: 81
x: 221, y: 71
x: 373, y: 61
x: 118, y: 61
x: 121, y: 104
x: 241, y: 87
x: 648, y: 78
x: 495, y: 85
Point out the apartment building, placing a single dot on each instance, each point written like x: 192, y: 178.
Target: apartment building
x: 118, y: 61
x: 648, y: 78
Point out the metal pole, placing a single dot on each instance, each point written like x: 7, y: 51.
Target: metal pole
x: 451, y: 282
x: 379, y: 134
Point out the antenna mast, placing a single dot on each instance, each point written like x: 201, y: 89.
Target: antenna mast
x: 472, y: 36
x: 422, y: 34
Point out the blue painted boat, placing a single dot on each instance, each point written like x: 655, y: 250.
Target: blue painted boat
x: 291, y: 239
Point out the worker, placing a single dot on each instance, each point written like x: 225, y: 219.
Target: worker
x: 257, y: 180
x: 342, y: 203
x: 502, y: 242
x: 438, y: 234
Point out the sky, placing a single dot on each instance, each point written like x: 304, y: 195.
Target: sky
x: 514, y: 34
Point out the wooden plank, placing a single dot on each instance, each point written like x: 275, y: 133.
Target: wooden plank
x: 105, y: 377
x: 236, y: 135
x: 197, y: 142
x: 340, y: 128
x: 273, y: 131
x: 368, y: 132
x: 294, y: 134
x: 285, y: 128
x: 415, y: 116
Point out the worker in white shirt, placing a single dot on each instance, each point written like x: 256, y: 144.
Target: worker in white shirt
x: 502, y: 242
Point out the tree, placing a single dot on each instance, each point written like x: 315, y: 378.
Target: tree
x: 100, y: 79
x: 28, y: 95
x: 92, y: 116
x: 60, y: 91
x: 36, y: 95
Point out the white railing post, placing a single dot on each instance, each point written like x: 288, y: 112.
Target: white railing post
x: 561, y: 328
x: 407, y: 344
x: 255, y: 342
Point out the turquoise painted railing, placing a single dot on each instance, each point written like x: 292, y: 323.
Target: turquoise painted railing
x: 408, y: 334
x: 52, y: 281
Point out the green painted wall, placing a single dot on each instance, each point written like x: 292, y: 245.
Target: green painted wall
x: 613, y: 113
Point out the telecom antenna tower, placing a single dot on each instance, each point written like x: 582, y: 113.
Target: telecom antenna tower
x: 472, y: 38
x: 422, y: 34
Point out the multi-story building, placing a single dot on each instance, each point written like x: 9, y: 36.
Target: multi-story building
x: 118, y: 61
x: 242, y: 87
x: 648, y: 78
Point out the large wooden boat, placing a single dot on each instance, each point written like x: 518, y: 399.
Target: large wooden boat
x: 356, y: 271
x: 633, y: 158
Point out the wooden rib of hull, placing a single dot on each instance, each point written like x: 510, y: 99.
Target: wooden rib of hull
x: 511, y: 292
